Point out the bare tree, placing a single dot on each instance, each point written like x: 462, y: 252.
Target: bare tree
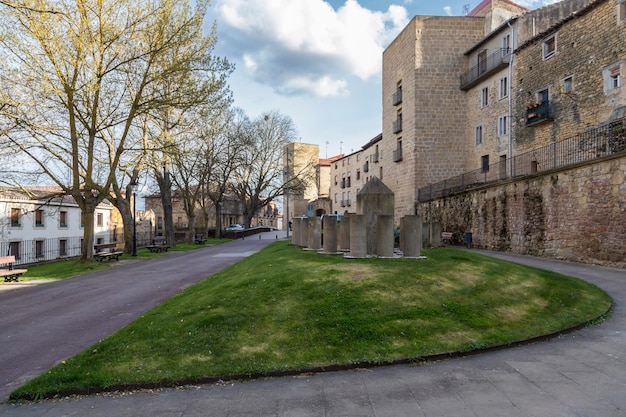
x: 81, y: 75
x: 258, y: 180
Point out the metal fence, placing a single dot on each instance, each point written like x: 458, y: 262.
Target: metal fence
x: 606, y: 140
x: 42, y: 250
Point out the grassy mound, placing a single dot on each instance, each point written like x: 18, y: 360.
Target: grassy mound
x: 285, y: 309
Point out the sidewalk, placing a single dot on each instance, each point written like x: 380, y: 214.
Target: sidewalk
x: 579, y: 374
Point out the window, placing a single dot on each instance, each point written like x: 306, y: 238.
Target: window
x: 549, y: 46
x: 15, y: 217
x: 39, y: 249
x: 504, y: 87
x: 63, y: 219
x: 82, y: 219
x: 63, y: 247
x: 503, y: 127
x: 615, y: 78
x: 39, y: 218
x: 335, y: 180
x: 484, y: 160
x: 543, y: 96
x: 568, y: 85
x: 506, y: 45
x: 612, y: 77
x: 14, y: 250
x: 159, y: 223
x: 381, y: 173
x: 482, y: 62
x: 100, y: 220
x: 358, y: 174
x: 621, y: 11
x: 484, y: 97
x: 479, y: 135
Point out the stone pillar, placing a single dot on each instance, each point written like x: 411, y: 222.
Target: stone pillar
x: 426, y: 233
x: 344, y: 233
x: 329, y: 225
x: 385, y: 235
x: 435, y: 233
x: 315, y: 233
x: 373, y: 200
x: 358, y: 236
x: 295, y: 232
x: 304, y: 231
x: 412, y: 231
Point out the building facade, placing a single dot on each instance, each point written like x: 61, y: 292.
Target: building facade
x: 35, y: 227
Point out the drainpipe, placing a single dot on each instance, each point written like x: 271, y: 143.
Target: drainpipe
x: 510, y: 118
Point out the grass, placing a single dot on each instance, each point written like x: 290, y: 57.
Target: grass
x: 285, y: 309
x: 67, y: 268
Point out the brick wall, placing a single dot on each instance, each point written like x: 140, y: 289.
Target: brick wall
x: 578, y: 214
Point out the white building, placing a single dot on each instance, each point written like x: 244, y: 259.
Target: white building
x: 35, y: 227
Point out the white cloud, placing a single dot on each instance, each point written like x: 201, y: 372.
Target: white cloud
x: 448, y: 10
x: 306, y: 46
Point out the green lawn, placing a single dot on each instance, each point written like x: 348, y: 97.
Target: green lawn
x: 73, y: 267
x: 285, y: 309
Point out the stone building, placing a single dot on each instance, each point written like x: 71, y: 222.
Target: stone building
x: 569, y: 78
x: 350, y: 173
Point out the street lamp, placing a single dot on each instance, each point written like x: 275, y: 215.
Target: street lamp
x: 133, y: 188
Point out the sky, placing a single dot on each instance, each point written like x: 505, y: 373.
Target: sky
x: 319, y: 62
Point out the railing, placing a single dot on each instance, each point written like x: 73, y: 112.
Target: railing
x: 396, y: 98
x: 602, y: 141
x: 41, y: 250
x: 397, y: 126
x: 539, y: 113
x: 492, y: 63
x: 397, y: 155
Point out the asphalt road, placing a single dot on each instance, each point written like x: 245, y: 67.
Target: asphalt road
x: 44, y: 324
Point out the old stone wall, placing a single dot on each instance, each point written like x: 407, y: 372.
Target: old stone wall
x: 577, y: 214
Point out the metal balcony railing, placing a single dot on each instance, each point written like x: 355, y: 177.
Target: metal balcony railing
x: 396, y: 98
x: 397, y: 155
x: 494, y: 62
x: 539, y: 113
x: 397, y: 126
x: 602, y: 141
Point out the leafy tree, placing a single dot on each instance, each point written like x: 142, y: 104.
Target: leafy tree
x: 82, y: 74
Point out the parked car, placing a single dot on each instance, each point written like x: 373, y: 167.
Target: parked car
x: 235, y: 227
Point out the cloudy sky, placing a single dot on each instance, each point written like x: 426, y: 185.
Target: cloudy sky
x: 319, y: 62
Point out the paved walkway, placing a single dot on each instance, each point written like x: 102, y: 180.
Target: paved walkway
x: 580, y: 374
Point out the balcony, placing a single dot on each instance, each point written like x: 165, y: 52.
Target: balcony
x: 396, y: 98
x: 540, y: 113
x: 397, y: 155
x: 397, y: 126
x: 494, y: 62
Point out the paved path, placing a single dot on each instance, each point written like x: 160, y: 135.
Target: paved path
x: 580, y: 374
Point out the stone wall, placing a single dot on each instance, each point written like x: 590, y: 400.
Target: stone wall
x: 586, y: 48
x: 577, y: 214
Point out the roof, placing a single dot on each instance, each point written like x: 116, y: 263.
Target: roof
x: 328, y: 161
x: 372, y: 141
x: 580, y: 12
x: 485, y: 3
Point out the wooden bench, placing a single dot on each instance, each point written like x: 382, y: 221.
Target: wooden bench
x: 199, y: 239
x: 106, y: 251
x: 159, y: 244
x: 9, y: 273
x: 447, y: 236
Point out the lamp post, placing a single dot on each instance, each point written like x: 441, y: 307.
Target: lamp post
x: 133, y: 188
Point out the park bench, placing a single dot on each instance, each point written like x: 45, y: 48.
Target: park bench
x: 106, y: 251
x: 9, y: 273
x: 446, y: 236
x: 199, y: 239
x: 159, y: 244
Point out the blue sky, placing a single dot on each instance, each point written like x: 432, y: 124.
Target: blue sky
x: 318, y: 62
